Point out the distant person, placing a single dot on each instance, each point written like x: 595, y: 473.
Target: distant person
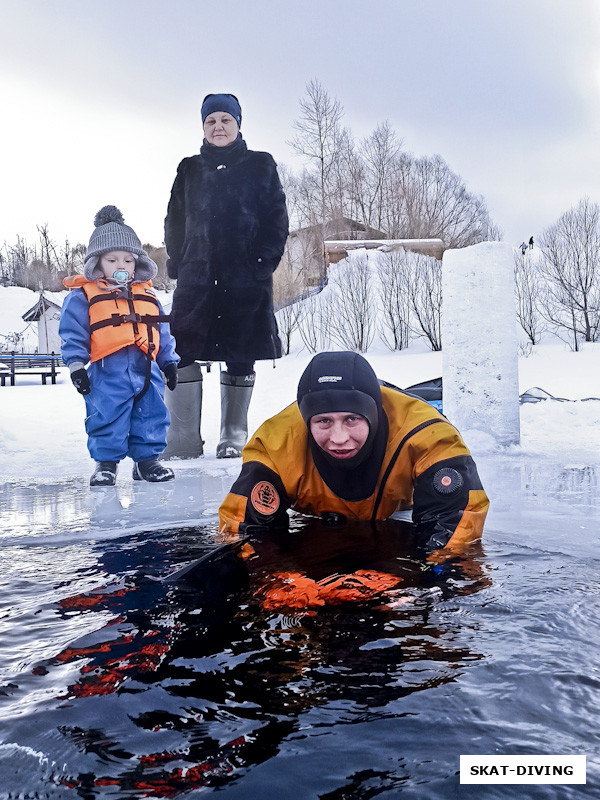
x: 225, y: 231
x: 112, y: 318
x: 531, y: 243
x: 523, y: 248
x: 354, y: 449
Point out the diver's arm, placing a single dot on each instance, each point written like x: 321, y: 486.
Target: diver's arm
x: 256, y: 500
x: 450, y: 504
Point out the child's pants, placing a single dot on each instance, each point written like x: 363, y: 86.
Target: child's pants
x: 116, y: 426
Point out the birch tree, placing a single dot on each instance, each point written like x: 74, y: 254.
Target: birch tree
x: 395, y: 301
x: 529, y: 290
x: 571, y: 267
x: 353, y: 321
x: 424, y: 286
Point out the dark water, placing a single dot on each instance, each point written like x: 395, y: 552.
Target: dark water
x: 116, y: 685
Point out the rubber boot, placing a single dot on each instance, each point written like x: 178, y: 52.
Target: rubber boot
x: 185, y: 406
x: 105, y: 474
x: 236, y: 391
x: 152, y: 470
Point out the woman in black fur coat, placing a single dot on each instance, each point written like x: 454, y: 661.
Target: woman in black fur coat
x: 225, y: 232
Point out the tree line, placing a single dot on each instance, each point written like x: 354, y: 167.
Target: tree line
x: 387, y: 192
x: 374, y: 182
x: 397, y: 296
x: 559, y: 290
x: 43, y: 264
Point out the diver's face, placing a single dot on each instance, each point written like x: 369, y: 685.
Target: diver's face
x: 341, y: 434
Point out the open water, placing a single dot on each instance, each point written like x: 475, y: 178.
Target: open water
x: 115, y: 684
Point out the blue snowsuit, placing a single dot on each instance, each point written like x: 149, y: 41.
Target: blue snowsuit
x: 116, y: 426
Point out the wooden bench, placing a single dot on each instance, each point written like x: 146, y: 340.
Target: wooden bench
x: 43, y: 364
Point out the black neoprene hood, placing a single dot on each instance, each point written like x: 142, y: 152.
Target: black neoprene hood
x: 345, y: 381
x: 342, y: 381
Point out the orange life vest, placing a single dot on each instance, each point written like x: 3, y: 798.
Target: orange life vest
x: 120, y: 316
x: 295, y: 590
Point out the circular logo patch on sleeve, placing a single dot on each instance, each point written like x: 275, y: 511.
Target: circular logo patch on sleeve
x: 447, y: 480
x: 264, y: 498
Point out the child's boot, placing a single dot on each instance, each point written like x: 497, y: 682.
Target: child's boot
x: 152, y: 471
x: 105, y: 474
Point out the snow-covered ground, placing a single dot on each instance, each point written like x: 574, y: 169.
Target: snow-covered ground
x: 42, y: 435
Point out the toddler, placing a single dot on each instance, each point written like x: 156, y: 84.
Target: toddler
x: 112, y: 319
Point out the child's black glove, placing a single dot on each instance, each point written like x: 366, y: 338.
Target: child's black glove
x: 171, y: 375
x: 81, y: 381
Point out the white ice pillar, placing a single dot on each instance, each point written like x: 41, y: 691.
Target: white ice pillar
x: 480, y: 342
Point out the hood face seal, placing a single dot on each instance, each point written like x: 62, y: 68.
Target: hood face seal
x: 345, y: 381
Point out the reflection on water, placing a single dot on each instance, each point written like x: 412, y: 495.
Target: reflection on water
x: 534, y: 482
x: 37, y: 510
x: 573, y: 484
x: 176, y: 686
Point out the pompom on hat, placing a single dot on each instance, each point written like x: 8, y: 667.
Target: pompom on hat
x: 222, y: 102
x: 110, y: 234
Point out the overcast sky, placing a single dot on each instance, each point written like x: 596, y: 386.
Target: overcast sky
x: 100, y: 100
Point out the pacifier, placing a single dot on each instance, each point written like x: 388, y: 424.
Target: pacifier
x: 120, y: 275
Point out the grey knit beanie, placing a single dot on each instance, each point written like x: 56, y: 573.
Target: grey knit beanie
x: 110, y: 234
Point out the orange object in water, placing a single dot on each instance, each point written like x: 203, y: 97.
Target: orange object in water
x: 295, y: 590
x: 360, y: 585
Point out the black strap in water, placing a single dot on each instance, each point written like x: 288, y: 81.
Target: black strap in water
x: 187, y: 572
x: 393, y: 460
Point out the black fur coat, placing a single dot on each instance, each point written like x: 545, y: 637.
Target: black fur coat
x: 225, y: 231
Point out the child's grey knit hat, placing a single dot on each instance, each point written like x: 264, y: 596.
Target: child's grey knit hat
x: 110, y: 234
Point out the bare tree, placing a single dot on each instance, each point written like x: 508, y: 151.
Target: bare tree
x: 395, y: 302
x: 288, y: 321
x: 20, y: 256
x: 571, y: 266
x: 62, y: 262
x: 48, y: 249
x: 301, y: 265
x: 428, y: 200
x: 528, y: 292
x: 5, y: 275
x: 318, y: 134
x: 315, y: 321
x: 353, y: 323
x: 423, y: 282
x: 159, y: 255
x: 376, y: 183
x: 71, y: 258
x: 377, y: 155
x: 290, y: 182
